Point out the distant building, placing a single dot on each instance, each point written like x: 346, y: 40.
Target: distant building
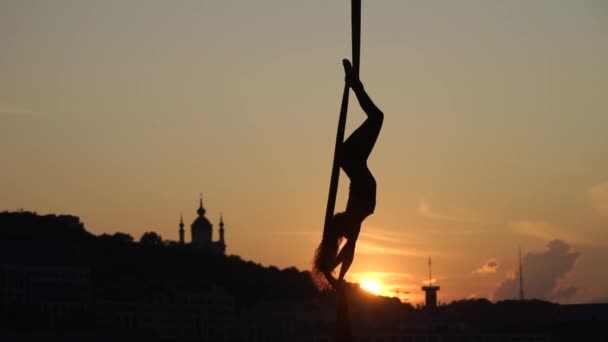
x: 202, y: 232
x: 430, y: 296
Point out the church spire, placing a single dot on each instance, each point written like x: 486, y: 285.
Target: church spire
x: 201, y: 211
x: 222, y: 228
x: 181, y: 229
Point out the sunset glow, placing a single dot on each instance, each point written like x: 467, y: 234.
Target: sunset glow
x: 123, y: 112
x: 371, y: 286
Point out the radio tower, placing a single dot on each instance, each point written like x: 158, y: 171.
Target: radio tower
x: 521, y: 278
x: 431, y: 292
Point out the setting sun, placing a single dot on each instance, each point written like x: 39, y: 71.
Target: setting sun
x: 371, y: 286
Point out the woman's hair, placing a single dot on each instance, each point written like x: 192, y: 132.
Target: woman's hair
x: 325, y: 255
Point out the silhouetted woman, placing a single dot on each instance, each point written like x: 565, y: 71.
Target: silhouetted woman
x: 353, y: 155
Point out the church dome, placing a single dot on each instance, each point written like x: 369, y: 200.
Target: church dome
x: 201, y: 223
x: 201, y: 228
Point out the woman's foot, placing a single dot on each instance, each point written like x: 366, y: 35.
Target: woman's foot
x: 351, y: 78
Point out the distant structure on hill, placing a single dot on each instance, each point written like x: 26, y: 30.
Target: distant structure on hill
x: 521, y: 278
x: 202, y: 232
x: 430, y: 292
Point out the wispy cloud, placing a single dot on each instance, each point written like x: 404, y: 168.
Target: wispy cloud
x: 426, y: 210
x: 380, y: 237
x: 598, y: 198
x: 364, y: 247
x: 370, y: 248
x: 17, y: 111
x: 430, y: 281
x: 387, y: 235
x: 538, y: 228
x: 547, y: 231
x: 491, y: 266
x: 388, y: 242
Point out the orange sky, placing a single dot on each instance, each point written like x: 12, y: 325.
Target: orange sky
x: 494, y: 137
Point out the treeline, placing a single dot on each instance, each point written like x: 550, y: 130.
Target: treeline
x: 126, y: 269
x: 132, y: 270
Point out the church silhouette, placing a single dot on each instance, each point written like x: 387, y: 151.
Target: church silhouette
x: 201, y: 231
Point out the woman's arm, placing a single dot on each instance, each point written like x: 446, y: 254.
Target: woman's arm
x: 346, y: 256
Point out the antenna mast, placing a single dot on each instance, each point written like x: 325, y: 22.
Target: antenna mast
x: 521, y: 278
x: 430, y: 274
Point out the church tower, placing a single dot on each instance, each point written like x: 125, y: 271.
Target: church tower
x: 222, y: 243
x: 181, y: 230
x: 222, y: 228
x: 201, y: 228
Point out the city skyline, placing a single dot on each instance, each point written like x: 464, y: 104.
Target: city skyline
x: 122, y: 113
